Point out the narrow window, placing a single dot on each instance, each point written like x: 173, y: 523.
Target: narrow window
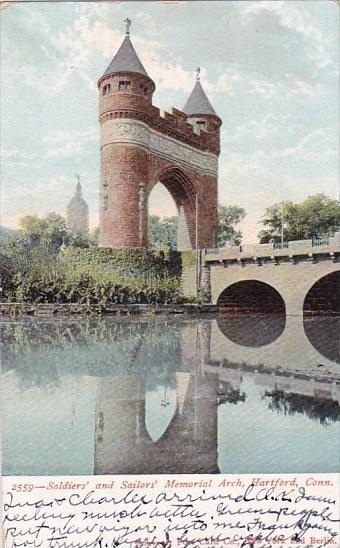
x: 123, y: 84
x: 200, y: 124
x: 106, y: 89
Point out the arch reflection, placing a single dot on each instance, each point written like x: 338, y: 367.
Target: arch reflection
x: 253, y: 330
x: 324, y: 334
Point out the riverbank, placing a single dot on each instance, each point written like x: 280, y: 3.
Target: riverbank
x: 74, y: 309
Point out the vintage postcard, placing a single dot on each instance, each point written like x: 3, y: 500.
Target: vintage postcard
x: 170, y: 274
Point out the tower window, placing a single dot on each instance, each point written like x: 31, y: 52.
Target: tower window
x: 106, y: 89
x: 200, y: 124
x: 124, y: 84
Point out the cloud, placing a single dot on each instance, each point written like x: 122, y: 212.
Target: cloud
x: 255, y: 130
x: 70, y: 143
x: 295, y: 20
x: 14, y: 155
x: 46, y: 194
x: 317, y: 142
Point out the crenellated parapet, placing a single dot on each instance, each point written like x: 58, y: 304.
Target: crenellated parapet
x: 174, y: 124
x: 140, y: 147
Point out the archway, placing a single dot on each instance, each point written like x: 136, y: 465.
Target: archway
x: 162, y: 218
x: 323, y: 298
x: 250, y: 297
x: 252, y: 313
x: 321, y: 319
x: 183, y: 193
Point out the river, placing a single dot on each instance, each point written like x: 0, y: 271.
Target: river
x: 157, y: 395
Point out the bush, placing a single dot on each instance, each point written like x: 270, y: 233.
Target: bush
x: 94, y: 276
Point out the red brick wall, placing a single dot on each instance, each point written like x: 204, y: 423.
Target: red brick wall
x: 124, y: 167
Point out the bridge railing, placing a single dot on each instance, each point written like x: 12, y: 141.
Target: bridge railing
x: 294, y: 246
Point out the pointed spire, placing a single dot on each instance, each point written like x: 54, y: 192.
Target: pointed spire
x: 78, y: 186
x: 126, y: 58
x: 198, y: 103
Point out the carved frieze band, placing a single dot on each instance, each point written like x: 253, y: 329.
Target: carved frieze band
x: 137, y: 133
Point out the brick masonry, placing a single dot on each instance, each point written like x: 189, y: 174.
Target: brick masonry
x: 140, y: 148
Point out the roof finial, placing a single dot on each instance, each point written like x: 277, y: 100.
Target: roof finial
x: 78, y: 187
x: 198, y: 72
x: 128, y: 25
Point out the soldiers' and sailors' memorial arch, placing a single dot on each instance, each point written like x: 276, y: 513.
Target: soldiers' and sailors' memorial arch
x: 140, y: 147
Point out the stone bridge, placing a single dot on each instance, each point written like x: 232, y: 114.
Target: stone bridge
x: 295, y: 278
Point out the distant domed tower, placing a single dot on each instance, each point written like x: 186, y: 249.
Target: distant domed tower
x: 77, y: 213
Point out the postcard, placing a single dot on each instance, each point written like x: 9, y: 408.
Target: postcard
x: 170, y: 274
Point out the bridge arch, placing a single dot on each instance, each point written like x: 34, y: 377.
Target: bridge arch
x: 323, y: 297
x: 251, y: 296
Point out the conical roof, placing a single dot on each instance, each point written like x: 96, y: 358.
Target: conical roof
x: 125, y: 60
x: 198, y: 102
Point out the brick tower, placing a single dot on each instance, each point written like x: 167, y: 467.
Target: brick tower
x: 140, y: 148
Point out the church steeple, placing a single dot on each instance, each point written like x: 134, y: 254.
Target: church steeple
x: 77, y: 213
x: 78, y: 186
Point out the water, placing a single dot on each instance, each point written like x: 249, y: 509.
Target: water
x: 230, y: 395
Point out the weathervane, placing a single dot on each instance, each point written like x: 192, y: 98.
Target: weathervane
x: 198, y: 72
x: 128, y: 25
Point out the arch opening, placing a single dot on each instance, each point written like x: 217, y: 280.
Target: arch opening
x: 162, y: 219
x: 321, y: 319
x: 323, y: 298
x: 250, y: 297
x: 251, y: 313
x: 183, y: 195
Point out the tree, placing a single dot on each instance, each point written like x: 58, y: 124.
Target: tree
x: 162, y: 232
x: 50, y: 232
x: 32, y: 228
x: 94, y: 236
x: 7, y: 234
x: 55, y: 230
x: 316, y: 217
x: 228, y: 216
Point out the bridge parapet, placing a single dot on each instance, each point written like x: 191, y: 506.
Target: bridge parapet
x: 305, y: 248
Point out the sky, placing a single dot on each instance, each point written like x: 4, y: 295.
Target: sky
x: 269, y: 69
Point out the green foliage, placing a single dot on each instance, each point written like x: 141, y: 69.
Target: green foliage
x: 117, y: 263
x: 189, y: 258
x: 228, y: 216
x: 94, y: 236
x: 51, y: 231
x: 91, y: 276
x: 316, y: 217
x: 162, y: 232
x: 7, y: 234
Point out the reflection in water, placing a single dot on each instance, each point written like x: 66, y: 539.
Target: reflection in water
x: 252, y: 330
x: 80, y: 394
x: 324, y: 334
x: 320, y: 409
x: 188, y: 445
x: 228, y: 394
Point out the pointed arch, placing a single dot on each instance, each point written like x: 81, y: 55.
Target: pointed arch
x: 182, y: 188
